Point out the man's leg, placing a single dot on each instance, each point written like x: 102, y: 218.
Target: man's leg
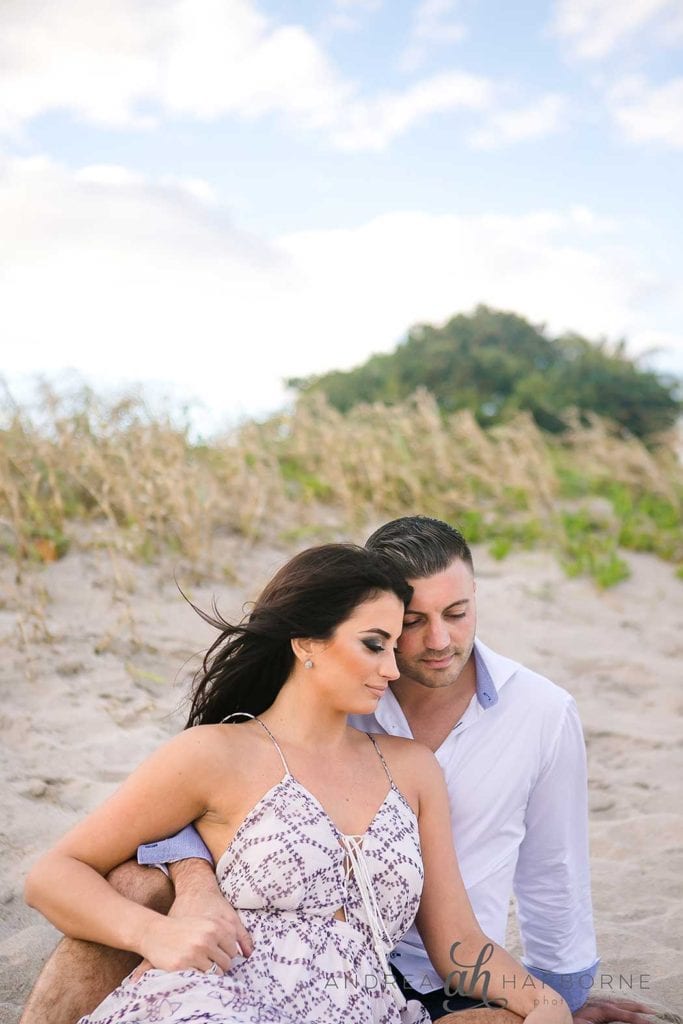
x: 79, y: 974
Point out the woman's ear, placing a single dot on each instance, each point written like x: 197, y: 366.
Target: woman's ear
x: 303, y: 649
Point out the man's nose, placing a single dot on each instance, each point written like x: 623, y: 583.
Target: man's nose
x: 437, y: 637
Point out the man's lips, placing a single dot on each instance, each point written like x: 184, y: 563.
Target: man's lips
x: 438, y: 662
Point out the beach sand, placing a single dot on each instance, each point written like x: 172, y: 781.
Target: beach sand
x: 97, y: 653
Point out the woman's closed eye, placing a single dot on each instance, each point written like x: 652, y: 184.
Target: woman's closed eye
x: 376, y: 646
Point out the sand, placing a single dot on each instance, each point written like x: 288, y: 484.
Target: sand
x: 97, y: 654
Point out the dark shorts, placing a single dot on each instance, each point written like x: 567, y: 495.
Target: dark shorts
x: 437, y: 1003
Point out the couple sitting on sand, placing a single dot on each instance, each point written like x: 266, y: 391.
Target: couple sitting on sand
x: 337, y: 896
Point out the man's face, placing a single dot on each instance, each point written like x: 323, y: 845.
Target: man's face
x: 438, y: 627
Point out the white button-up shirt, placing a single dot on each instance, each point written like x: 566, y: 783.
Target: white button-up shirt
x: 515, y: 767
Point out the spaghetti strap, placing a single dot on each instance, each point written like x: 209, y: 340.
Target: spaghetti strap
x: 246, y: 714
x: 381, y: 757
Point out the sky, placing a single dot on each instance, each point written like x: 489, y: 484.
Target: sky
x: 211, y: 196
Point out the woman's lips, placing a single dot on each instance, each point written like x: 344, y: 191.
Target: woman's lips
x: 379, y: 691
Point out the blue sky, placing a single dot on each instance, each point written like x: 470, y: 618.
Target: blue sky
x: 217, y: 194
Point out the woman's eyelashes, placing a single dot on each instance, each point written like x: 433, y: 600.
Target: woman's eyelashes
x: 376, y: 646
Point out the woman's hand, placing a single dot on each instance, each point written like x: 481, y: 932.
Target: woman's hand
x: 181, y: 943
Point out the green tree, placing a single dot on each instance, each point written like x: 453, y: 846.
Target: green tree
x: 496, y: 363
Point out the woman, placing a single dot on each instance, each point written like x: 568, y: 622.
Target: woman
x: 326, y: 841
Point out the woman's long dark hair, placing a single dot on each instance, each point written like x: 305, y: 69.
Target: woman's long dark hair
x: 247, y: 665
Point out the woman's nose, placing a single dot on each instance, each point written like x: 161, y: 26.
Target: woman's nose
x: 389, y: 667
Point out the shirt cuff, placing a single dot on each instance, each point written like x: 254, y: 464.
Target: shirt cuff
x: 574, y: 988
x: 182, y: 846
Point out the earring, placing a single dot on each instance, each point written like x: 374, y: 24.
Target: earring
x: 308, y: 663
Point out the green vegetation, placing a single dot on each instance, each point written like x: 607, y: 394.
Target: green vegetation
x: 139, y: 484
x: 497, y: 364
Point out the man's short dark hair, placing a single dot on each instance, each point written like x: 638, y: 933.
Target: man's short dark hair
x: 420, y: 546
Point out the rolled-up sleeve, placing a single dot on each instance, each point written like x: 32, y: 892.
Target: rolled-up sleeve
x: 552, y: 878
x: 182, y: 846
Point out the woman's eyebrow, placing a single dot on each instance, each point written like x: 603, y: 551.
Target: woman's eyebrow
x: 376, y: 629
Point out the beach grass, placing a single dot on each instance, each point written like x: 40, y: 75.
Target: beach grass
x: 147, y: 486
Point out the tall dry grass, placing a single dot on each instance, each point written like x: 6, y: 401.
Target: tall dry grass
x: 140, y: 480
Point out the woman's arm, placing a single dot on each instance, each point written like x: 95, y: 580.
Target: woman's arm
x: 68, y: 886
x: 464, y: 957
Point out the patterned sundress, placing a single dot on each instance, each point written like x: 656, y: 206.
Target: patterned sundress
x: 287, y: 871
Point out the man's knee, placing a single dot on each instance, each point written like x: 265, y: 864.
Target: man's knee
x: 145, y: 885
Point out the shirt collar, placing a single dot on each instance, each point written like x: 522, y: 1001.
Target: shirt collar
x: 487, y: 694
x: 492, y: 672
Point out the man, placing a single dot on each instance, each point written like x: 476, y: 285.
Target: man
x: 511, y: 748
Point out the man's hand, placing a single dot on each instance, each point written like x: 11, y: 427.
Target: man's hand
x: 613, y: 1011
x: 184, y: 943
x: 214, y: 924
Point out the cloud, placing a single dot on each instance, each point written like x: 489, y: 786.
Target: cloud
x: 349, y: 15
x: 132, y: 64
x: 405, y: 267
x: 649, y: 113
x: 594, y: 28
x: 119, y: 275
x: 123, y: 276
x: 139, y: 61
x: 434, y: 24
x: 373, y: 124
x: 547, y: 115
x: 124, y: 64
x: 661, y: 350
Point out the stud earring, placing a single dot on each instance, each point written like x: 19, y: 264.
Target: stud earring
x: 308, y: 663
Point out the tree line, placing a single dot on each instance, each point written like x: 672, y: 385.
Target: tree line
x: 497, y: 363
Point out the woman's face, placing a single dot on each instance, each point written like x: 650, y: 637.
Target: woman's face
x: 356, y: 665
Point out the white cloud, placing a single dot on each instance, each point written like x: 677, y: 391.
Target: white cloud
x: 131, y: 63
x: 595, y: 28
x: 128, y: 63
x: 373, y: 124
x: 121, y: 276
x: 545, y: 116
x: 434, y: 24
x: 349, y: 15
x: 108, y: 174
x: 649, y: 113
x: 113, y: 61
x: 358, y: 6
x: 406, y: 267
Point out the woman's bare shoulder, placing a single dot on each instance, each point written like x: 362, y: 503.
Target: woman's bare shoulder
x: 410, y: 751
x: 203, y: 754
x: 202, y: 744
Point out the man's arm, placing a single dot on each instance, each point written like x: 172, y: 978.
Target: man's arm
x: 552, y: 879
x: 552, y: 884
x: 187, y: 860
x: 184, y: 845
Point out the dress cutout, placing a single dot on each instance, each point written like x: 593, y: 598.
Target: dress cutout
x: 287, y: 870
